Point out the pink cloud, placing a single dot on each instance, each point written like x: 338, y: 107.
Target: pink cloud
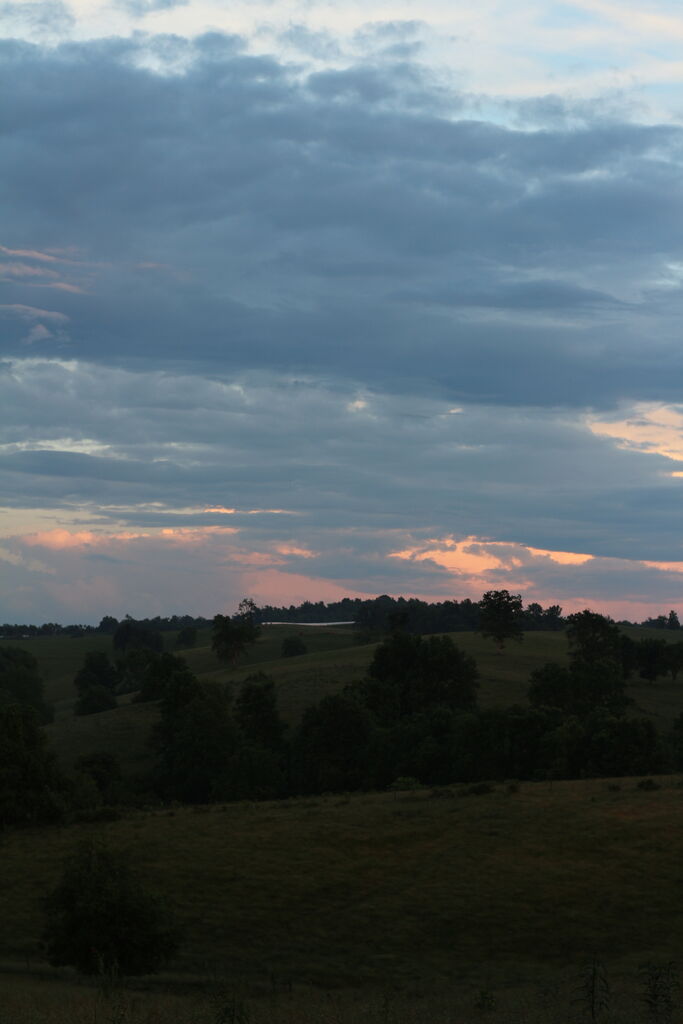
x: 30, y: 254
x: 25, y: 270
x: 61, y: 540
x: 33, y: 312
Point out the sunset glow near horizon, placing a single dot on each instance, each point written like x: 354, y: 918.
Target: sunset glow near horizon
x: 315, y: 299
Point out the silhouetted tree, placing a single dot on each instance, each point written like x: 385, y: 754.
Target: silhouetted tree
x: 651, y: 656
x: 31, y: 787
x: 592, y: 637
x: 186, y: 638
x: 131, y: 634
x: 195, y: 741
x: 409, y: 674
x: 580, y: 689
x: 95, y: 683
x: 102, y: 919
x: 500, y: 616
x: 256, y: 713
x: 108, y: 624
x: 20, y: 681
x: 674, y: 658
x: 158, y: 674
x: 233, y: 635
x: 332, y: 746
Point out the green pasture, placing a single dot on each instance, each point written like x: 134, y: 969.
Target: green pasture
x: 429, y: 887
x: 334, y: 660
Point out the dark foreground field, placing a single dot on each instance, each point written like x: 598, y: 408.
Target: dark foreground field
x: 397, y: 900
x: 456, y: 904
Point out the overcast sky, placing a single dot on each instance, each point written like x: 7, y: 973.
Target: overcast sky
x: 307, y: 299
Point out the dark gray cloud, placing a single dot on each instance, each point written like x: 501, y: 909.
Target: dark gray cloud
x: 333, y: 455
x: 234, y: 281
x: 238, y: 212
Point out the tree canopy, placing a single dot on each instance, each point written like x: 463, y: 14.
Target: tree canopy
x: 500, y: 616
x: 233, y: 635
x: 101, y: 918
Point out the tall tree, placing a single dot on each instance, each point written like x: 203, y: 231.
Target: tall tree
x: 31, y: 787
x: 102, y: 919
x: 409, y: 674
x: 20, y: 681
x: 256, y: 713
x: 652, y: 660
x: 95, y: 683
x: 592, y: 637
x: 195, y: 740
x: 500, y: 616
x: 233, y: 635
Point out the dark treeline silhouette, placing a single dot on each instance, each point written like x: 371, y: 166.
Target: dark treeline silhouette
x: 17, y: 630
x: 377, y: 615
x: 380, y: 614
x: 108, y: 624
x: 413, y: 718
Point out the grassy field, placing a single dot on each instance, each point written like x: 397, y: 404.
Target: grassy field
x: 426, y: 890
x: 434, y: 905
x: 334, y: 659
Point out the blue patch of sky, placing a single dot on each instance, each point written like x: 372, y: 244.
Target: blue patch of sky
x: 569, y: 16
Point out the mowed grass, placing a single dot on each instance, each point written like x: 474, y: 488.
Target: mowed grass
x: 379, y: 889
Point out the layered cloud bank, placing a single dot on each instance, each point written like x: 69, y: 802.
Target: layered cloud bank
x: 289, y: 310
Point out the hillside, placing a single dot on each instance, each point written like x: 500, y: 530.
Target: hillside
x: 334, y: 660
x: 392, y: 887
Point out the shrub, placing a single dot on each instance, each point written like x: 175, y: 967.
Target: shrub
x: 102, y: 920
x: 648, y: 784
x: 293, y: 646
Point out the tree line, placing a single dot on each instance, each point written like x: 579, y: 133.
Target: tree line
x: 413, y: 715
x: 372, y: 614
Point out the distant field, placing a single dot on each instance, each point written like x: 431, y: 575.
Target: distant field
x: 333, y: 661
x: 432, y: 887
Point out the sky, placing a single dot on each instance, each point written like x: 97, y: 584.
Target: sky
x: 305, y: 299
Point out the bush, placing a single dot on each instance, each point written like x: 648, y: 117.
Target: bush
x: 292, y: 646
x: 649, y: 785
x: 101, y: 919
x: 94, y: 700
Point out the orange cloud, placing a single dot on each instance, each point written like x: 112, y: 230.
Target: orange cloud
x: 654, y: 429
x: 223, y: 511
x: 473, y: 556
x: 292, y: 549
x: 665, y: 566
x: 562, y: 557
x: 452, y: 556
